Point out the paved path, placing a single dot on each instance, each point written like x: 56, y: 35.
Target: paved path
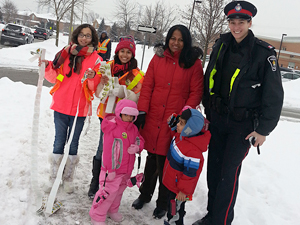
x: 25, y: 76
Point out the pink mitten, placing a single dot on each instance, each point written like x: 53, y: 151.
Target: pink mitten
x: 136, y: 180
x: 111, y: 176
x: 185, y: 108
x: 133, y: 148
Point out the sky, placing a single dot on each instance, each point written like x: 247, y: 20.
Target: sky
x: 273, y: 19
x: 268, y: 187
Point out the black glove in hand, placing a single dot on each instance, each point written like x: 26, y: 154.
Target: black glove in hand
x: 174, y: 119
x: 140, y: 121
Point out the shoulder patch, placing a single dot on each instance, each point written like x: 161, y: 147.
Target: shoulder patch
x: 264, y: 44
x: 272, y: 60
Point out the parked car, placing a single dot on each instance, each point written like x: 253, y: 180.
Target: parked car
x: 289, y: 75
x: 65, y: 34
x: 41, y: 33
x: 16, y: 34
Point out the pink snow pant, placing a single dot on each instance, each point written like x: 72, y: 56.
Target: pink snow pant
x: 111, y: 204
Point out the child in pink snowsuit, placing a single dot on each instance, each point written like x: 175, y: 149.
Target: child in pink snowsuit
x: 121, y: 141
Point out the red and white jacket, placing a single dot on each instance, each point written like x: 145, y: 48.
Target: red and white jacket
x: 184, y: 162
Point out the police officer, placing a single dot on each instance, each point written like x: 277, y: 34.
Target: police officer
x: 243, y: 97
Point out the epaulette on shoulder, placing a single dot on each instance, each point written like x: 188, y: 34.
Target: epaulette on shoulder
x: 217, y: 42
x: 265, y: 44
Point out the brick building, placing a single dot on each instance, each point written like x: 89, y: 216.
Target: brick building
x: 289, y: 56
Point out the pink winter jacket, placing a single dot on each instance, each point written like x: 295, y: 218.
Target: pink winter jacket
x: 117, y: 137
x: 65, y: 99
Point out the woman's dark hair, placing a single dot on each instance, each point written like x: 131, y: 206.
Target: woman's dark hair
x: 189, y: 54
x: 74, y: 40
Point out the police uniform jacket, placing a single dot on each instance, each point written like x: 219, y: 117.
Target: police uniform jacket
x: 256, y: 88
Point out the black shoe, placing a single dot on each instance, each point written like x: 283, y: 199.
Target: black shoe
x: 166, y: 222
x: 158, y: 213
x: 138, y: 203
x: 206, y: 220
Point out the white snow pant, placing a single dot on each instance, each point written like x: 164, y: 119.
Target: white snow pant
x: 111, y: 204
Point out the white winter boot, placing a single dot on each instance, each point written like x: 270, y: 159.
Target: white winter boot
x: 68, y: 175
x: 55, y: 160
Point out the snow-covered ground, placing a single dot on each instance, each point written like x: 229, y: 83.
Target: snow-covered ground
x: 268, y: 194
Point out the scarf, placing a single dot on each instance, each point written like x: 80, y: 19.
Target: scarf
x: 119, y: 70
x: 72, y: 49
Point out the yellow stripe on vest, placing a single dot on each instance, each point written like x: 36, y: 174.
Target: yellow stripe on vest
x: 135, y: 81
x: 236, y: 73
x: 213, y: 72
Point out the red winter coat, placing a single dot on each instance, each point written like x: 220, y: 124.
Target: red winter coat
x: 184, y: 163
x: 167, y: 88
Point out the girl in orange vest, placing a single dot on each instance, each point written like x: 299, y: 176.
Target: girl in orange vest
x: 124, y: 66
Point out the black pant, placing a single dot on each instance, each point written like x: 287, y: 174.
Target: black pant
x: 153, y: 170
x: 181, y: 211
x: 227, y: 150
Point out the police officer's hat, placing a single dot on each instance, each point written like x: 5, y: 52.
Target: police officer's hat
x: 240, y: 10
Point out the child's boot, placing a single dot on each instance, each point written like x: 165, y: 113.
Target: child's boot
x: 117, y: 217
x: 68, y: 175
x: 55, y: 160
x: 98, y: 222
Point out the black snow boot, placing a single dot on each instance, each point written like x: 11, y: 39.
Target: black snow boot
x: 94, y: 186
x: 206, y: 220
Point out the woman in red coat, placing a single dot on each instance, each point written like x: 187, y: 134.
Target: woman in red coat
x: 174, y: 79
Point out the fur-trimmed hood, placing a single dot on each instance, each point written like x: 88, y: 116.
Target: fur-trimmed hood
x: 159, y: 50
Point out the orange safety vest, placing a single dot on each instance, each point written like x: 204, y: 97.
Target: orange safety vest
x: 138, y: 77
x: 102, y: 47
x: 89, y: 95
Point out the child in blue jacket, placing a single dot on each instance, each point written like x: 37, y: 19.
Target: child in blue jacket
x: 184, y: 162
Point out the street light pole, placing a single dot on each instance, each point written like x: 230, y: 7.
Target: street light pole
x: 280, y: 46
x: 193, y: 13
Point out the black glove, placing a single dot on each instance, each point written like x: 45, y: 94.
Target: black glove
x: 174, y: 119
x: 141, y: 119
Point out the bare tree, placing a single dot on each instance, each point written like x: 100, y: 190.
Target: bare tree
x: 126, y: 13
x: 208, y: 22
x: 60, y: 7
x: 160, y: 16
x: 10, y: 11
x: 91, y: 16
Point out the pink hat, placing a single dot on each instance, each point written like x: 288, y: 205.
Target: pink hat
x: 126, y: 106
x: 126, y: 42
